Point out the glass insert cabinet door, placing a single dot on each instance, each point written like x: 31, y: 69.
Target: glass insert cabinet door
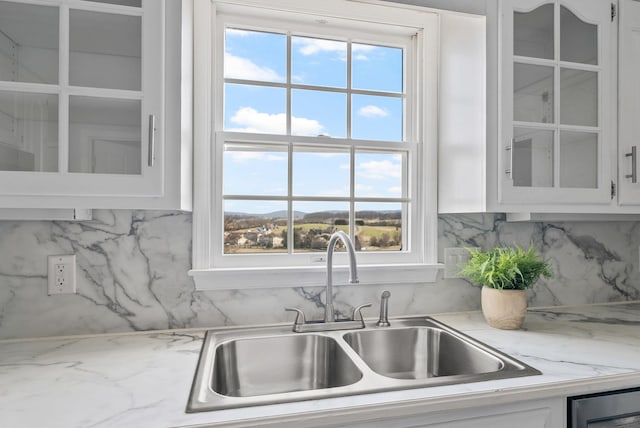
x: 81, y: 97
x: 555, y: 69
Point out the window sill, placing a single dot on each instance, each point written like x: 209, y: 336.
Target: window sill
x: 312, y: 276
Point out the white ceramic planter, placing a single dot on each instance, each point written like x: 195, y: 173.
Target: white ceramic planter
x: 504, y: 309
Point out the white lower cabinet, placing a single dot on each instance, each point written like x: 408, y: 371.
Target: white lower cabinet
x: 531, y: 414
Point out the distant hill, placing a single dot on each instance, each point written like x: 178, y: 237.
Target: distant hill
x: 384, y: 214
x: 274, y: 214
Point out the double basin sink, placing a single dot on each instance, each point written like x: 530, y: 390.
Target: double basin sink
x: 268, y: 365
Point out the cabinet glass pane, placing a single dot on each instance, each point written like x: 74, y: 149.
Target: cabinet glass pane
x: 578, y: 39
x: 578, y: 97
x: 318, y: 62
x: 533, y: 93
x: 28, y: 43
x: 578, y: 159
x: 105, y: 50
x: 131, y: 3
x: 533, y: 32
x: 255, y: 170
x: 104, y: 135
x: 532, y: 158
x: 28, y: 132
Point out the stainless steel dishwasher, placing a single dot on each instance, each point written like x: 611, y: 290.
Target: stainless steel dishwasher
x: 613, y: 409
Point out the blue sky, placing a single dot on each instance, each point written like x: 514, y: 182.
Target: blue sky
x: 262, y: 56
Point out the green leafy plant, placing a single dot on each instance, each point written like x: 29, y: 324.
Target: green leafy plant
x: 506, y: 268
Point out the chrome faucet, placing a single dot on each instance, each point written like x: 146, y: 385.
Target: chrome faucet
x: 329, y: 314
x: 330, y: 323
x: 383, y: 321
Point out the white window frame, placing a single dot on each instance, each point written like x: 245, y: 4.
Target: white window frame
x: 214, y: 270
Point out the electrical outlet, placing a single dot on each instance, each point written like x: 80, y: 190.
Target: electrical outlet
x: 454, y: 258
x: 61, y: 274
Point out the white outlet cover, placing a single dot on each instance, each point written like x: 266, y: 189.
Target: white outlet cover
x: 454, y: 258
x: 65, y: 282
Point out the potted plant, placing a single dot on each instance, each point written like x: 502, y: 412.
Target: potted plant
x: 505, y: 275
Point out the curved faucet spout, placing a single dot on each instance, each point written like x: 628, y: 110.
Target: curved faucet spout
x: 329, y: 315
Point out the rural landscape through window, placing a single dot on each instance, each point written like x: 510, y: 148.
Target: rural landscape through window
x: 314, y: 141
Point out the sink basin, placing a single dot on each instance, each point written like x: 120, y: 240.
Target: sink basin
x: 268, y: 365
x: 278, y: 364
x: 420, y: 353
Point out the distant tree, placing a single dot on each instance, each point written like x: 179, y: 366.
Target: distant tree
x: 384, y: 240
x: 373, y: 242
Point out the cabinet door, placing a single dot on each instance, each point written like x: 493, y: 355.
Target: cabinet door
x: 81, y: 98
x: 554, y: 104
x: 629, y: 103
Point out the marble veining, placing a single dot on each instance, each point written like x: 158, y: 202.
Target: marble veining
x: 143, y: 380
x: 132, y: 274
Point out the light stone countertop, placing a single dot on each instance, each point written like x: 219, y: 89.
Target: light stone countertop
x: 143, y: 379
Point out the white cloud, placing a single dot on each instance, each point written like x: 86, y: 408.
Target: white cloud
x: 250, y: 120
x: 334, y: 192
x: 250, y: 156
x: 396, y: 190
x: 379, y: 170
x: 308, y: 46
x: 372, y: 111
x: 243, y: 68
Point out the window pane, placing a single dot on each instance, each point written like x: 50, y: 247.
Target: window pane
x: 379, y: 226
x: 104, y: 135
x: 255, y: 55
x: 533, y: 32
x: 318, y: 62
x: 315, y: 222
x: 105, y: 50
x: 317, y: 173
x: 251, y: 108
x: 578, y: 159
x: 28, y: 132
x: 318, y: 113
x: 27, y: 55
x: 251, y: 170
x: 578, y: 97
x: 578, y: 39
x: 255, y: 227
x: 532, y: 158
x: 376, y: 68
x: 533, y: 93
x: 376, y: 118
x: 379, y: 174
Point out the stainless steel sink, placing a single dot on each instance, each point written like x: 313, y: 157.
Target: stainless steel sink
x: 278, y: 364
x: 420, y: 353
x: 256, y: 366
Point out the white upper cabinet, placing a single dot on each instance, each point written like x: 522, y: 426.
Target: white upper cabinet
x: 555, y: 136
x: 629, y: 103
x: 82, y: 105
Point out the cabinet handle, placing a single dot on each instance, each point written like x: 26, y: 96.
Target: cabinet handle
x: 152, y: 139
x: 634, y: 171
x: 509, y: 148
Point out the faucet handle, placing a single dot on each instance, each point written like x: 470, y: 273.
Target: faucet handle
x: 357, y: 312
x: 300, y: 319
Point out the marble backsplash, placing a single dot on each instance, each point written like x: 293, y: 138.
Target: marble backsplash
x: 132, y: 274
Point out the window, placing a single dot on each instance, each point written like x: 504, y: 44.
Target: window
x: 318, y: 123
